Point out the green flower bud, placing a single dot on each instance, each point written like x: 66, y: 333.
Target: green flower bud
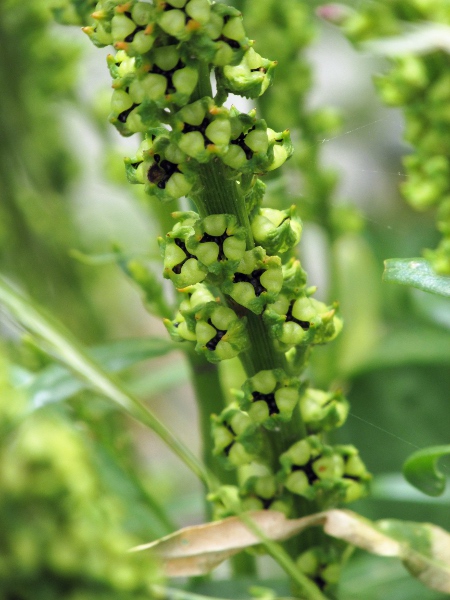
x: 299, y: 454
x: 199, y: 10
x: 269, y: 397
x: 179, y: 265
x: 297, y: 483
x: 322, y: 411
x: 221, y: 334
x: 142, y: 13
x: 305, y: 321
x: 173, y: 22
x: 121, y: 27
x: 219, y: 244
x: 236, y: 440
x: 318, y: 472
x: 257, y: 280
x: 99, y: 35
x: 276, y: 230
x: 250, y: 78
x: 282, y: 148
x: 329, y: 467
x: 234, y: 29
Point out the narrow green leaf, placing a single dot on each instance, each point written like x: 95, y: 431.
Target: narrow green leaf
x: 75, y: 357
x: 55, y: 383
x: 421, y: 470
x: 418, y: 273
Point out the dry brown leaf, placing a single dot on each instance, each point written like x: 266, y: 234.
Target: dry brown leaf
x: 423, y: 548
x: 199, y: 549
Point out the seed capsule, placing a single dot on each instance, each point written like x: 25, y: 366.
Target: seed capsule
x: 257, y: 280
x: 221, y: 334
x: 269, y: 397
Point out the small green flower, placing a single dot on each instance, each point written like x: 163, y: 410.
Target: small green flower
x: 236, y: 438
x: 277, y: 231
x: 322, y: 411
x: 327, y: 474
x: 219, y: 244
x: 202, y: 130
x: 321, y: 565
x: 257, y: 280
x: 269, y: 397
x: 302, y: 321
x: 257, y: 480
x: 250, y: 78
x: 161, y: 167
x: 180, y: 265
x: 221, y: 334
x: 182, y: 327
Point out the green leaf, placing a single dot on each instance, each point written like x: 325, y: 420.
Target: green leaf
x: 421, y: 470
x: 55, y: 383
x: 70, y: 352
x: 418, y: 273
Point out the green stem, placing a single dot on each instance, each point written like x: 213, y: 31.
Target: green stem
x: 208, y: 391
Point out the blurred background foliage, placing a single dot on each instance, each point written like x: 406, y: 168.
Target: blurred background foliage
x: 79, y: 482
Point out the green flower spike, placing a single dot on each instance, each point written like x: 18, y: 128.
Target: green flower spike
x: 277, y: 231
x: 302, y: 321
x: 327, y: 474
x: 322, y: 411
x: 257, y: 280
x: 250, y: 78
x: 221, y: 334
x: 236, y: 438
x: 218, y: 243
x: 269, y: 397
x: 161, y: 167
x: 179, y: 264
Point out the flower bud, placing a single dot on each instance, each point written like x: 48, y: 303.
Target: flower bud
x: 322, y: 411
x: 302, y: 321
x: 179, y: 264
x: 257, y: 280
x: 221, y: 334
x: 276, y: 230
x: 250, y: 78
x: 236, y: 440
x: 319, y: 472
x: 269, y: 397
x: 219, y: 244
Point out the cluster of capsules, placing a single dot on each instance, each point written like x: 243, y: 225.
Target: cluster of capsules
x: 319, y: 472
x: 419, y: 83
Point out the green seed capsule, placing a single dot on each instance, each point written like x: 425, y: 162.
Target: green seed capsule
x: 269, y: 397
x: 121, y: 27
x: 322, y: 411
x: 172, y: 22
x: 199, y: 10
x: 256, y: 281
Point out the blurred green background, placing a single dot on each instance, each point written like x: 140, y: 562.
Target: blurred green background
x: 79, y: 482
